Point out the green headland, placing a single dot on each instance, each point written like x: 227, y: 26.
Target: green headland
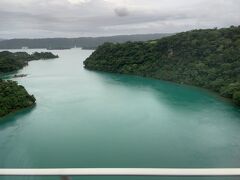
x: 205, y: 58
x: 14, y: 97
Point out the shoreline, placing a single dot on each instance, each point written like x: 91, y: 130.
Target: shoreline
x: 13, y: 113
x: 209, y: 91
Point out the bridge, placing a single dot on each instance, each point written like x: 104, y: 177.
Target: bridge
x: 66, y: 173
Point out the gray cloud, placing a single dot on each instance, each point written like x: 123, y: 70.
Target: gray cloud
x: 71, y: 18
x: 121, y: 11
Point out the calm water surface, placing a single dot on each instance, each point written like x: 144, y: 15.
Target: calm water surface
x: 91, y: 119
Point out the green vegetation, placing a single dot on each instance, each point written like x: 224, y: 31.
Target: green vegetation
x: 14, y: 61
x: 67, y: 43
x: 205, y: 58
x: 43, y: 55
x: 14, y: 97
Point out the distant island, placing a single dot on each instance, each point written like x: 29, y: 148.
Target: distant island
x: 206, y: 58
x: 19, y: 75
x: 68, y: 43
x: 14, y: 97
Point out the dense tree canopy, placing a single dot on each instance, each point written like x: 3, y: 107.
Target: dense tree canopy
x: 14, y: 61
x: 14, y: 97
x: 206, y: 58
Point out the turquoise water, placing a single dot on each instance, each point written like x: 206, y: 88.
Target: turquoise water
x: 92, y: 119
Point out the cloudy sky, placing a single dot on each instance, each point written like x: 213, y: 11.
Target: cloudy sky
x: 76, y: 18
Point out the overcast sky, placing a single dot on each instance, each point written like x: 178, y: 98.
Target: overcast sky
x: 76, y: 18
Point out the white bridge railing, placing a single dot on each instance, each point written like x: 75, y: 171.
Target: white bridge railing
x: 66, y: 173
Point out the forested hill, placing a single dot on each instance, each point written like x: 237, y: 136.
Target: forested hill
x: 14, y: 97
x: 14, y: 61
x: 84, y: 42
x: 205, y: 58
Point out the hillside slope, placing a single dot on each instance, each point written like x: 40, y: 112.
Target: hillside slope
x: 205, y: 58
x: 14, y: 61
x: 13, y: 97
x: 84, y: 42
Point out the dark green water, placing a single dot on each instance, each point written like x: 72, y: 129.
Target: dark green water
x: 91, y: 119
